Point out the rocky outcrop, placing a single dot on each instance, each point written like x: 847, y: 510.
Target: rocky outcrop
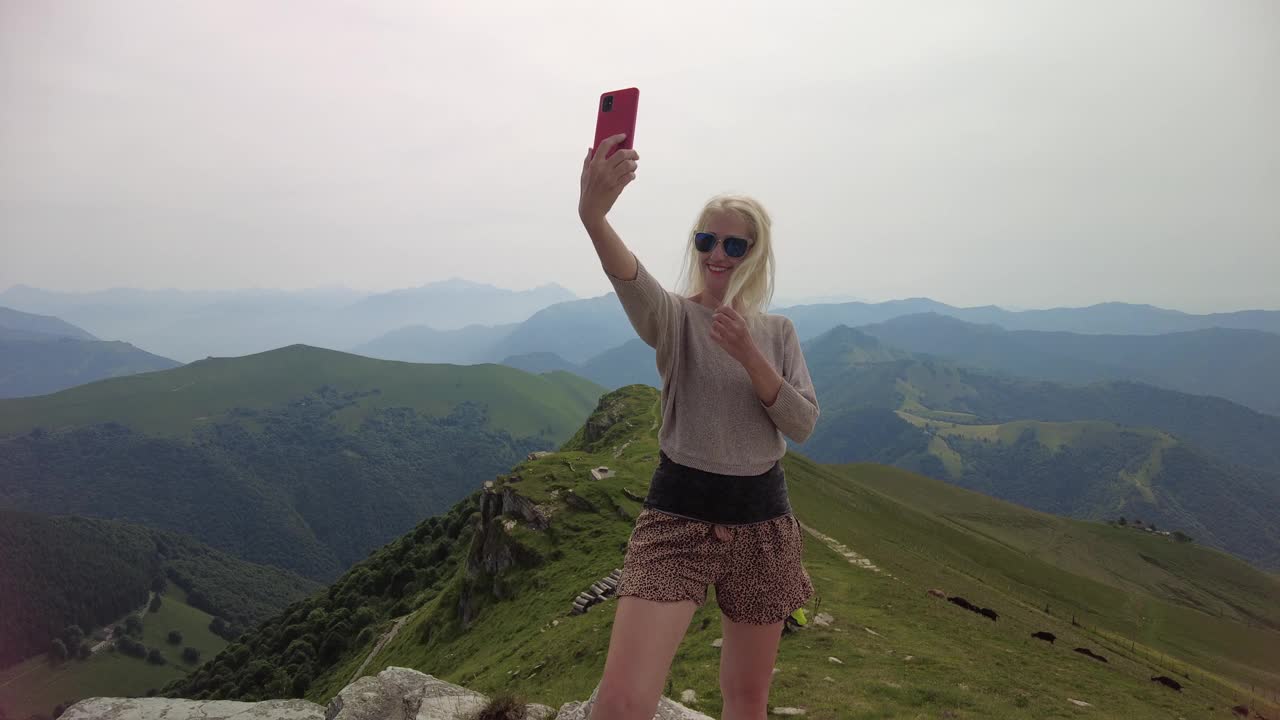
x: 493, y: 550
x: 167, y: 709
x: 403, y: 694
x: 498, y: 501
x: 393, y: 694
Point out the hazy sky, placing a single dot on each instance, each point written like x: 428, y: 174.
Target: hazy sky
x: 1022, y: 153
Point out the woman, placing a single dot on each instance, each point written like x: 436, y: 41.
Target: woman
x: 733, y: 383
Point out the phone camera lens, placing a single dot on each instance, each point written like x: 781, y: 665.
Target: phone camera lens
x: 608, y: 103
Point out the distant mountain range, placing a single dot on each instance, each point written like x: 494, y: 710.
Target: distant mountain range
x: 408, y: 324
x: 1240, y: 365
x: 629, y: 363
x: 191, y: 325
x: 41, y: 354
x: 1108, y: 318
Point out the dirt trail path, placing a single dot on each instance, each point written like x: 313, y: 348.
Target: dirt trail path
x: 387, y: 637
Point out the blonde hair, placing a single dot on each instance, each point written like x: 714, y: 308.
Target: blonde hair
x: 751, y: 287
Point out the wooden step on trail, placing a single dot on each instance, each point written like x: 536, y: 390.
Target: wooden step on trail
x: 599, y: 591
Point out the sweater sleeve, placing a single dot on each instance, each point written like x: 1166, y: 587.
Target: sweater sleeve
x: 652, y: 310
x: 795, y: 410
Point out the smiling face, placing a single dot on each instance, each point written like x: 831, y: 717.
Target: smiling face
x: 716, y: 266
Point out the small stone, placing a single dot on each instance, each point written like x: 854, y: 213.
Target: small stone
x: 873, y: 632
x: 836, y: 660
x: 688, y: 696
x: 1079, y: 703
x: 718, y: 642
x: 788, y: 711
x: 909, y: 658
x: 775, y: 671
x: 555, y: 622
x: 828, y: 678
x: 823, y: 619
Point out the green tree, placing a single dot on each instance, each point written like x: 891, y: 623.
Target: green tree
x: 84, y: 652
x: 133, y: 625
x: 175, y: 637
x: 154, y: 657
x: 190, y: 655
x: 301, y: 682
x: 72, y: 636
x: 1122, y: 521
x: 57, y: 650
x: 155, y: 604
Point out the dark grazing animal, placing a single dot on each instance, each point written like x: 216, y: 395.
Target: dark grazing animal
x: 1046, y: 636
x: 988, y: 612
x: 1168, y: 682
x: 956, y: 599
x: 1092, y: 654
x: 1241, y: 710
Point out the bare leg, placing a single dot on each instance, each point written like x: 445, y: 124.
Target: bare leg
x: 644, y: 640
x: 746, y: 668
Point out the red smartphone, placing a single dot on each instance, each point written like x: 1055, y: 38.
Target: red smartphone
x: 616, y: 113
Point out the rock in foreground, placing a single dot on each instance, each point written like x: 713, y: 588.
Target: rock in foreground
x: 393, y: 694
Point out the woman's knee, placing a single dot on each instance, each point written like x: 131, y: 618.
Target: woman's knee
x: 742, y: 692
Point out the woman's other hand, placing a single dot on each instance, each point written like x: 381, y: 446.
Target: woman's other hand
x: 730, y: 332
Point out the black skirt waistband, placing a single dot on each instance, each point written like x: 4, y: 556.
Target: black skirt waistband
x: 715, y: 498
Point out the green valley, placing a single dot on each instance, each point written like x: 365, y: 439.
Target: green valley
x: 1200, y: 465
x: 38, y: 685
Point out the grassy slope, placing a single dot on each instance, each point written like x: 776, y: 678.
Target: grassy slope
x: 36, y: 686
x: 172, y: 402
x: 994, y: 553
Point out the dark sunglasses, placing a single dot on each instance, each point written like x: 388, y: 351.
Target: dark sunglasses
x: 734, y: 247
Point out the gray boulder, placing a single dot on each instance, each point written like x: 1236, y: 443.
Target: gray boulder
x: 170, y: 709
x: 402, y: 694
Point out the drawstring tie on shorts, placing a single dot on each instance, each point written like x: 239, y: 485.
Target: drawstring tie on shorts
x: 723, y: 533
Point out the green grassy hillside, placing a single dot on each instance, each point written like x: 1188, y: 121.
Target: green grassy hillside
x: 301, y: 458
x: 38, y: 685
x: 482, y: 599
x: 175, y: 402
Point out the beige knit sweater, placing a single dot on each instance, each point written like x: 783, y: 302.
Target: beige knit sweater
x: 711, y: 417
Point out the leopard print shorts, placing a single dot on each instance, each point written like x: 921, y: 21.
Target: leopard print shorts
x: 758, y: 572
